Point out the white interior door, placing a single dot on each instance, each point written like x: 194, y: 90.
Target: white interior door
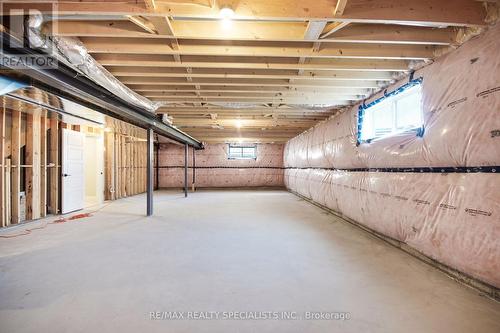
x: 73, y: 173
x: 94, y: 170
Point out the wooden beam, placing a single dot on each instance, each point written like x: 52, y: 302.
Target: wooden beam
x: 313, y: 31
x: 33, y: 158
x: 263, y: 110
x: 109, y: 166
x: 316, y: 64
x: 248, y: 100
x: 236, y: 139
x: 251, y: 74
x: 255, y: 94
x: 150, y: 4
x: 55, y: 167
x: 16, y: 169
x: 259, y: 49
x: 146, y: 89
x: 142, y: 23
x: 163, y: 26
x: 246, y: 123
x: 416, y: 12
x: 123, y: 166
x: 4, y: 218
x: 132, y: 81
x: 43, y: 166
x: 339, y: 7
x: 252, y: 31
x: 333, y: 28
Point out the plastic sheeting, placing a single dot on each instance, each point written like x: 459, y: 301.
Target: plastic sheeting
x: 214, y: 169
x: 461, y: 103
x: 453, y: 218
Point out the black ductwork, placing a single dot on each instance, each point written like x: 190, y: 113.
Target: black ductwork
x: 65, y: 82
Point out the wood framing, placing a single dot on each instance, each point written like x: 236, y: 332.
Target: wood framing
x: 43, y: 166
x: 33, y: 161
x: 459, y: 12
x: 54, y: 166
x: 5, y: 219
x: 15, y: 154
x: 280, y: 65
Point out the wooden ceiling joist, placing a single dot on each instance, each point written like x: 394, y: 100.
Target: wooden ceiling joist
x: 248, y: 31
x: 279, y: 66
x: 131, y: 81
x: 331, y: 101
x: 259, y: 49
x: 251, y: 74
x: 316, y: 64
x: 411, y: 12
x: 253, y: 90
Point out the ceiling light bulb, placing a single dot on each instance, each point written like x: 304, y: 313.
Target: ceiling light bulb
x: 226, y: 13
x: 238, y: 123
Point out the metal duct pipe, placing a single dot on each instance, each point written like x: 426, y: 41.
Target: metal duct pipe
x: 65, y: 82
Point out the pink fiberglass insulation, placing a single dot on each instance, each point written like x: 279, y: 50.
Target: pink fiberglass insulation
x: 214, y: 169
x: 461, y: 104
x: 454, y: 217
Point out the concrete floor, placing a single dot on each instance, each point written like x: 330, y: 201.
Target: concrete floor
x: 226, y: 251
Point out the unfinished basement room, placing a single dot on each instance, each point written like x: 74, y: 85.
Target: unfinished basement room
x: 250, y: 166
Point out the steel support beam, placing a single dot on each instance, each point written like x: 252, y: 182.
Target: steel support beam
x: 65, y: 82
x: 186, y: 149
x: 157, y: 163
x: 194, y: 170
x: 149, y: 170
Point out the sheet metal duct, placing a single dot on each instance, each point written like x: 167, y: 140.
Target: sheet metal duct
x: 8, y: 85
x: 66, y: 82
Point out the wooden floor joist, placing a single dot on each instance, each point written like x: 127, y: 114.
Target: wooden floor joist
x: 106, y: 45
x: 413, y: 12
x: 272, y: 60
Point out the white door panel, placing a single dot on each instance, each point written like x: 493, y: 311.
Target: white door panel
x: 73, y: 173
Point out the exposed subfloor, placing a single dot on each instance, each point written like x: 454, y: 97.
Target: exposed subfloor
x: 227, y: 251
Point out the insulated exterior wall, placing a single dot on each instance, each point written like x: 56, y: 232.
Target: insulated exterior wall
x: 214, y: 169
x: 451, y: 212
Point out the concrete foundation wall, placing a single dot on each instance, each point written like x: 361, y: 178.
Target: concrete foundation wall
x: 214, y: 169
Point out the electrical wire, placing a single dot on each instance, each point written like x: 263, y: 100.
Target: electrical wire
x: 57, y: 221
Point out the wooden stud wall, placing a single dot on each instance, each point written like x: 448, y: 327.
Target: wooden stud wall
x: 125, y: 160
x: 3, y: 184
x: 23, y: 136
x: 30, y: 155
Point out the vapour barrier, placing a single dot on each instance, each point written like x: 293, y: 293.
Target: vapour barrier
x: 461, y: 103
x: 452, y: 217
x: 214, y: 169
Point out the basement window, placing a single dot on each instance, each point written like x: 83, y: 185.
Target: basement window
x: 237, y: 152
x: 396, y: 112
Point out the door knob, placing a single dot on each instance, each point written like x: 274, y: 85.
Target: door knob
x: 65, y: 175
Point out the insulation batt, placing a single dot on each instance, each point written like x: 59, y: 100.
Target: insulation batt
x: 215, y: 170
x: 453, y: 218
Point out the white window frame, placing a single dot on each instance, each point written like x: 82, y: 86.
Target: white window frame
x: 241, y: 157
x: 391, y: 102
